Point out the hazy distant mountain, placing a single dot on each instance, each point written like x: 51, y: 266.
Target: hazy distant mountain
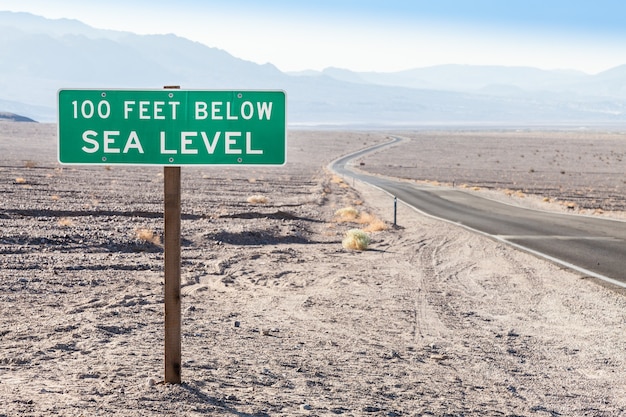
x: 488, y: 79
x: 38, y: 56
x: 465, y: 78
x: 38, y: 113
x: 12, y: 117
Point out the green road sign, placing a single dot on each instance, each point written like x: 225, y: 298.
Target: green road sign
x: 172, y: 127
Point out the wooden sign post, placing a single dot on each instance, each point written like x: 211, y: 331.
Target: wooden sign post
x: 172, y: 275
x: 170, y: 129
x: 171, y: 188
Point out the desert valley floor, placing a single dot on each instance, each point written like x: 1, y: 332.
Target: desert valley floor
x: 278, y: 318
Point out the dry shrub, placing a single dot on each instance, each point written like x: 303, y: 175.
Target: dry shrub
x: 148, y: 235
x: 65, y: 222
x: 365, y: 218
x: 336, y: 180
x: 347, y: 214
x: 55, y: 197
x: 257, y: 199
x: 376, y: 225
x: 30, y: 164
x: 20, y: 180
x: 373, y: 223
x: 350, y: 214
x: 356, y: 239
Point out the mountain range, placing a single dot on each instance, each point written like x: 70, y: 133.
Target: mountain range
x: 38, y: 56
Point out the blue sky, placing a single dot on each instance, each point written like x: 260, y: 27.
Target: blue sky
x: 367, y: 35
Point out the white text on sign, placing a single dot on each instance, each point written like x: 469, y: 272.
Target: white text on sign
x: 189, y: 143
x: 169, y: 110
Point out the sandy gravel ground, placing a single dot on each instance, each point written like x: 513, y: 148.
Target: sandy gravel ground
x: 280, y: 319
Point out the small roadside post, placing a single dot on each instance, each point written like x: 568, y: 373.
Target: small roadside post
x: 171, y: 128
x: 395, y: 210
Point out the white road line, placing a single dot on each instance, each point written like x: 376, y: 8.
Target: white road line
x: 549, y: 237
x: 565, y: 264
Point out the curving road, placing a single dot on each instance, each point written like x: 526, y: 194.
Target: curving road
x: 592, y: 246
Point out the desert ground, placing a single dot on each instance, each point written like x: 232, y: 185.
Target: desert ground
x: 279, y: 319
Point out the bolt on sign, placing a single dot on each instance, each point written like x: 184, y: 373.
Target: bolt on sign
x: 171, y: 127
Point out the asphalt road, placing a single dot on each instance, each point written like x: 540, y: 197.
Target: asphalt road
x: 592, y: 246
